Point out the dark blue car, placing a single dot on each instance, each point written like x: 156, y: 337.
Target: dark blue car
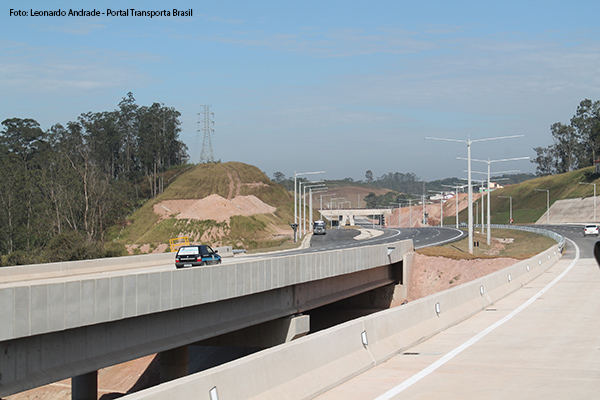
x: 196, y: 255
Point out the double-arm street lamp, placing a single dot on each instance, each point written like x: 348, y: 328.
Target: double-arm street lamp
x: 585, y: 183
x: 456, y: 195
x: 310, y: 187
x: 468, y: 142
x: 489, y: 162
x: 547, y: 203
x: 296, y: 175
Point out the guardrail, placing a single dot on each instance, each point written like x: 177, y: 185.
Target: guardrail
x: 560, y: 239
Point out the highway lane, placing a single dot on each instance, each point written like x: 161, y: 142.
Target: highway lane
x: 335, y: 239
x: 541, y: 342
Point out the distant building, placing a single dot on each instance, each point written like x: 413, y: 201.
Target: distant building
x: 493, y: 186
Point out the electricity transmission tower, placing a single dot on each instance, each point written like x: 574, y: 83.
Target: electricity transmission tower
x: 205, y: 123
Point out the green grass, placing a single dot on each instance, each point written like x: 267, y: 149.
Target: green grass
x: 528, y: 204
x: 525, y: 245
x: 200, y: 181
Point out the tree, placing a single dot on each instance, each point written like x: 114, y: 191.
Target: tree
x: 369, y: 176
x: 586, y: 122
x: 544, y: 160
x: 565, y: 147
x: 128, y: 123
x: 575, y: 145
x: 278, y: 177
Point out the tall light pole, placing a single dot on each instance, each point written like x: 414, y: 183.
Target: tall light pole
x: 508, y: 197
x: 585, y: 183
x: 399, y: 214
x: 441, y: 206
x: 468, y: 142
x: 327, y: 195
x: 310, y: 206
x: 456, y: 195
x: 547, y: 204
x: 303, y: 206
x: 331, y: 209
x: 310, y: 200
x: 296, y: 175
x: 489, y: 162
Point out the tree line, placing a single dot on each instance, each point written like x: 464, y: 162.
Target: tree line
x: 64, y: 187
x: 575, y: 145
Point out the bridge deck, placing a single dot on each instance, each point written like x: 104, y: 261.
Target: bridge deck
x: 540, y: 342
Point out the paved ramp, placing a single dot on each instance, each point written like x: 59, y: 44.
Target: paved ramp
x: 541, y: 342
x: 580, y: 210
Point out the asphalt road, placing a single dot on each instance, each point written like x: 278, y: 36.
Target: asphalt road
x: 422, y: 237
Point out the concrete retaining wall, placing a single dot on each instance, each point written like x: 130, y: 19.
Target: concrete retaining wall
x: 311, y: 365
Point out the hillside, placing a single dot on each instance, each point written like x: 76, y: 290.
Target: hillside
x: 222, y: 204
x: 529, y: 205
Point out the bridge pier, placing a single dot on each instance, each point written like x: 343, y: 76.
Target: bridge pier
x: 85, y: 387
x: 267, y: 334
x: 173, y: 363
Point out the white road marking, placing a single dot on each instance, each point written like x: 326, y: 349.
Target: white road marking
x: 431, y: 368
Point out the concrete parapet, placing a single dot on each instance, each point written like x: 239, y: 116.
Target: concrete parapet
x: 70, y: 268
x: 313, y: 364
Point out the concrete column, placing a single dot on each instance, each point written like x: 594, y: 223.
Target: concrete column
x: 85, y: 387
x: 173, y: 364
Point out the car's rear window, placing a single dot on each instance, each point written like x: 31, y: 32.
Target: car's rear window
x: 188, y: 250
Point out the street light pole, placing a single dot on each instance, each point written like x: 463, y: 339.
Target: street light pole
x: 310, y: 206
x: 456, y: 195
x: 489, y: 234
x: 399, y: 214
x: 296, y: 175
x: 585, y: 183
x: 468, y: 142
x: 547, y: 204
x: 331, y: 209
x: 508, y: 197
x: 441, y: 206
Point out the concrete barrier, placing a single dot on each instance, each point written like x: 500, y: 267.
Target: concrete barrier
x: 316, y: 363
x: 70, y: 268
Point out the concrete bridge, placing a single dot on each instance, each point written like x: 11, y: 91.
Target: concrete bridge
x: 70, y: 319
x: 345, y: 216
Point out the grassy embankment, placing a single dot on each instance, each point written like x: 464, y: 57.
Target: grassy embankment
x: 504, y: 243
x: 228, y: 179
x: 528, y: 204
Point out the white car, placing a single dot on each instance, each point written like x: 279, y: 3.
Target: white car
x: 590, y: 230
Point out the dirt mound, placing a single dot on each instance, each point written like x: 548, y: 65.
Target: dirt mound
x: 213, y: 207
x: 431, y: 275
x: 411, y: 216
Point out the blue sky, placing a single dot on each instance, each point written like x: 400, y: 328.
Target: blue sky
x: 340, y: 86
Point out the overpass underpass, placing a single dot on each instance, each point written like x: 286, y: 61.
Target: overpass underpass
x: 345, y: 216
x: 52, y: 331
